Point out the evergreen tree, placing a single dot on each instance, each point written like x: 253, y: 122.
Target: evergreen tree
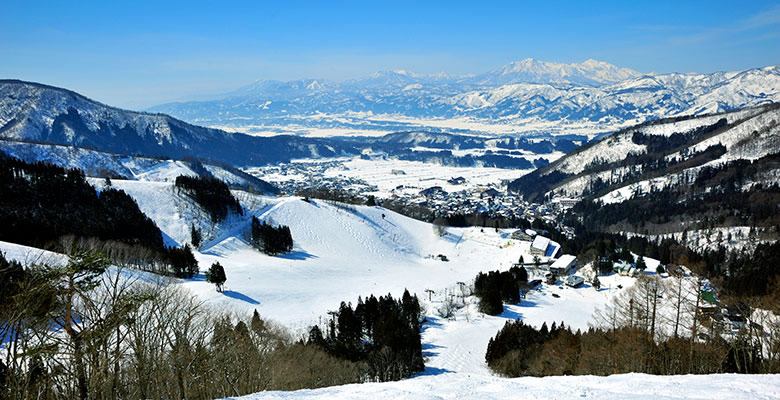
x: 196, y: 236
x: 258, y: 325
x: 640, y: 263
x: 271, y: 240
x: 210, y: 193
x: 216, y: 275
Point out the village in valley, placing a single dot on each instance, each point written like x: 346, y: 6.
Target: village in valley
x: 443, y: 191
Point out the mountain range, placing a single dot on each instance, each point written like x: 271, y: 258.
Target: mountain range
x: 33, y: 112
x: 36, y: 113
x: 530, y: 96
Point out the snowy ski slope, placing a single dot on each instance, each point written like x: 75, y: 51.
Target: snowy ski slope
x: 342, y: 252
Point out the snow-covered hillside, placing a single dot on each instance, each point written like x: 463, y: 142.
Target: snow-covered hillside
x: 340, y: 253
x: 97, y: 163
x: 40, y: 113
x: 749, y: 134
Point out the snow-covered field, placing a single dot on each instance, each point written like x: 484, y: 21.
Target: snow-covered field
x: 418, y: 175
x: 367, y: 124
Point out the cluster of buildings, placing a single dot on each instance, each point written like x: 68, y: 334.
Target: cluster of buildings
x: 493, y: 200
x: 457, y: 196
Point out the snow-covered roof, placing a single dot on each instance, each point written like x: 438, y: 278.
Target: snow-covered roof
x: 540, y: 242
x: 563, y: 262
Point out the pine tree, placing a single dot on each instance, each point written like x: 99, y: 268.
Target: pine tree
x: 216, y: 275
x: 640, y: 263
x: 197, y: 237
x: 258, y: 325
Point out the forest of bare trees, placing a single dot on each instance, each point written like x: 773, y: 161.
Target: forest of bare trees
x: 76, y: 328
x: 660, y: 325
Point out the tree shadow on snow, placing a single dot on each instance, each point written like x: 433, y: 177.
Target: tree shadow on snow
x: 427, y: 349
x: 168, y: 241
x: 299, y: 255
x: 510, y: 314
x: 239, y: 296
x: 430, y: 322
x: 450, y: 237
x: 430, y: 371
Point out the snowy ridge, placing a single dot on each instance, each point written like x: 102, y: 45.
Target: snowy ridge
x: 96, y: 163
x: 45, y: 103
x: 591, y: 72
x: 38, y: 113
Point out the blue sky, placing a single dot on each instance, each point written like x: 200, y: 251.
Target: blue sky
x: 138, y: 54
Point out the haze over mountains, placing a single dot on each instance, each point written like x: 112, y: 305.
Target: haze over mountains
x: 528, y: 97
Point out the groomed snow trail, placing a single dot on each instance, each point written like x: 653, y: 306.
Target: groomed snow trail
x: 453, y: 386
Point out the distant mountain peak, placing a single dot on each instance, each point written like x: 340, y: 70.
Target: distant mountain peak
x: 590, y: 72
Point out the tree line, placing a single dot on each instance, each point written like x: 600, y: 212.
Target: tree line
x: 50, y: 207
x: 270, y: 239
x: 495, y: 288
x: 41, y: 202
x: 210, y: 193
x: 381, y: 334
x: 633, y: 334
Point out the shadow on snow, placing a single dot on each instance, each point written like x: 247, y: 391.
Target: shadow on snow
x: 239, y: 296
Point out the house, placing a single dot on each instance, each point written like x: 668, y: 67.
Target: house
x: 526, y: 235
x: 625, y: 269
x: 564, y: 264
x: 574, y: 281
x: 564, y: 203
x: 539, y: 245
x: 457, y: 181
x: 431, y: 191
x: 530, y: 285
x: 398, y: 172
x: 489, y: 193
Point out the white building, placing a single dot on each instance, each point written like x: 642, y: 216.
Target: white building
x: 539, y: 245
x: 564, y: 264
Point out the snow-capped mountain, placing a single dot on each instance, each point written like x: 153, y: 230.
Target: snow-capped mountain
x: 588, y: 73
x: 40, y: 113
x: 529, y: 96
